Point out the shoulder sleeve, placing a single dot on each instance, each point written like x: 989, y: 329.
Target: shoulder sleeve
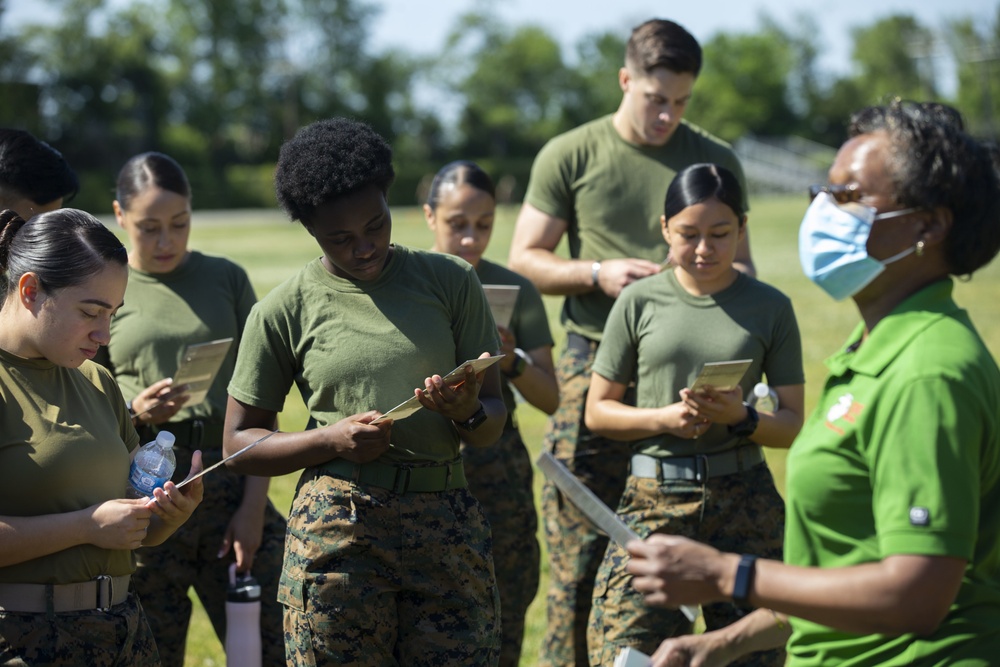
x: 265, y: 363
x: 473, y: 327
x: 550, y: 184
x: 783, y: 365
x: 245, y: 296
x: 618, y: 354
x: 106, y: 382
x: 925, y: 468
x: 530, y: 322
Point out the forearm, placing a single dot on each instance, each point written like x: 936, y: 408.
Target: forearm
x: 538, y: 386
x: 255, y: 493
x: 778, y: 429
x: 552, y: 274
x: 874, y: 598
x: 280, y: 454
x: 616, y: 420
x: 26, y: 538
x: 760, y: 630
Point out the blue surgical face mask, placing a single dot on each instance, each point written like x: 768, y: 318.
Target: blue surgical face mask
x: 833, y: 243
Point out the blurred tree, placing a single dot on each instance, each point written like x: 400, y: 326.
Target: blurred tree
x: 893, y: 58
x: 599, y: 57
x: 515, y: 85
x: 976, y: 48
x: 104, y: 93
x: 743, y: 86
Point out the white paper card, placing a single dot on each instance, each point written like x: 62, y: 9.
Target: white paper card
x: 502, y: 299
x: 199, y: 365
x: 721, y: 375
x: 629, y: 657
x: 454, y: 379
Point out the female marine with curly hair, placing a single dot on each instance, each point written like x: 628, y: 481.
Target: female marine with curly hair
x: 388, y: 555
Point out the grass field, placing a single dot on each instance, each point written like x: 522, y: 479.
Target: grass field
x: 271, y: 249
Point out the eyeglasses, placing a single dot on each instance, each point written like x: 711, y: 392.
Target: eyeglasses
x: 842, y: 194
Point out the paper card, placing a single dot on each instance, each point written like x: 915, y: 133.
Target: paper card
x: 454, y: 379
x: 721, y: 375
x: 199, y: 365
x: 630, y: 657
x: 502, y: 299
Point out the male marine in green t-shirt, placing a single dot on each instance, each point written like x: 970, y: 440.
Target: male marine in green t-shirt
x: 603, y: 184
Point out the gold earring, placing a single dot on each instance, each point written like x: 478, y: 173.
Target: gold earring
x: 920, y: 248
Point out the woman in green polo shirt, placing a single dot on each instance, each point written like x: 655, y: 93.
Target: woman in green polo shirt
x: 892, y: 547
x: 67, y: 533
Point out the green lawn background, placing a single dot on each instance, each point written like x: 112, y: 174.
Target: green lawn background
x: 271, y: 249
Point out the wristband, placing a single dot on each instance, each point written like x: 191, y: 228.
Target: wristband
x: 521, y: 363
x: 595, y: 269
x: 744, y: 580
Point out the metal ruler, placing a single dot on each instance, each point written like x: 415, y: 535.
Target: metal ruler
x: 593, y: 508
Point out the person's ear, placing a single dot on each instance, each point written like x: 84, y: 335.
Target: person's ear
x: 29, y: 291
x: 742, y: 232
x: 429, y: 216
x: 937, y: 226
x: 664, y: 228
x: 624, y: 78
x: 119, y: 213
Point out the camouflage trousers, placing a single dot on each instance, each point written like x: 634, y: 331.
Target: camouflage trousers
x: 575, y: 547
x: 740, y: 513
x: 189, y: 558
x: 377, y: 578
x: 119, y: 637
x: 500, y: 477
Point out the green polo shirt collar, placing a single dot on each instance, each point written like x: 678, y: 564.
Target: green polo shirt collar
x: 894, y: 332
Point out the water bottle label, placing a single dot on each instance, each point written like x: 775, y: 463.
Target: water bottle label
x: 143, y: 482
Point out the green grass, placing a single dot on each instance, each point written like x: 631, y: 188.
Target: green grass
x: 271, y: 249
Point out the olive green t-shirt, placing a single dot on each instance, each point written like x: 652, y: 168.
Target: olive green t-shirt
x: 353, y: 346
x: 65, y: 438
x: 660, y: 335
x: 528, y: 322
x: 204, y: 299
x: 610, y: 193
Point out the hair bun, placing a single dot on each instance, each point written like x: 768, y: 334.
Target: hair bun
x: 10, y: 223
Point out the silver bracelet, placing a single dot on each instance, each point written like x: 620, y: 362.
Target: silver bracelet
x: 595, y: 269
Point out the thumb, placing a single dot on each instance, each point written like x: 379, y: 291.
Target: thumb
x: 241, y: 558
x: 227, y: 542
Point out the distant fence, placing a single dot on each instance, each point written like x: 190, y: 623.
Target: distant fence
x: 783, y: 164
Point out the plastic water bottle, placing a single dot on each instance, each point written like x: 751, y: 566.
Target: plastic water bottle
x: 152, y: 466
x: 242, y: 621
x: 764, y: 398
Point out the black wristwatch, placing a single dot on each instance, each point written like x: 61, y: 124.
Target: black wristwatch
x: 744, y: 580
x: 475, y: 421
x: 520, y: 365
x: 745, y: 428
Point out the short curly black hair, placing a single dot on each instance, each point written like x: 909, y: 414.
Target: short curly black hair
x: 327, y: 160
x: 934, y: 162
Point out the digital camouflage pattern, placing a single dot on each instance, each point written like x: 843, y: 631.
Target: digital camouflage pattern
x: 119, y: 637
x: 575, y: 547
x: 189, y: 558
x: 500, y: 477
x: 740, y: 513
x: 373, y: 577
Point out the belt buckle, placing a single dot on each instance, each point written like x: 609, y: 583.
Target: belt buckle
x: 401, y: 481
x: 110, y: 591
x: 701, y: 468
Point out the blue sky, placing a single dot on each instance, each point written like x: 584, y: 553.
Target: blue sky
x: 420, y: 26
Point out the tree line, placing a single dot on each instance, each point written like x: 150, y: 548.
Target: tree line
x: 220, y: 84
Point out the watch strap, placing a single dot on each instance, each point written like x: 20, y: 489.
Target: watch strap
x: 475, y: 421
x: 746, y: 427
x: 744, y: 580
